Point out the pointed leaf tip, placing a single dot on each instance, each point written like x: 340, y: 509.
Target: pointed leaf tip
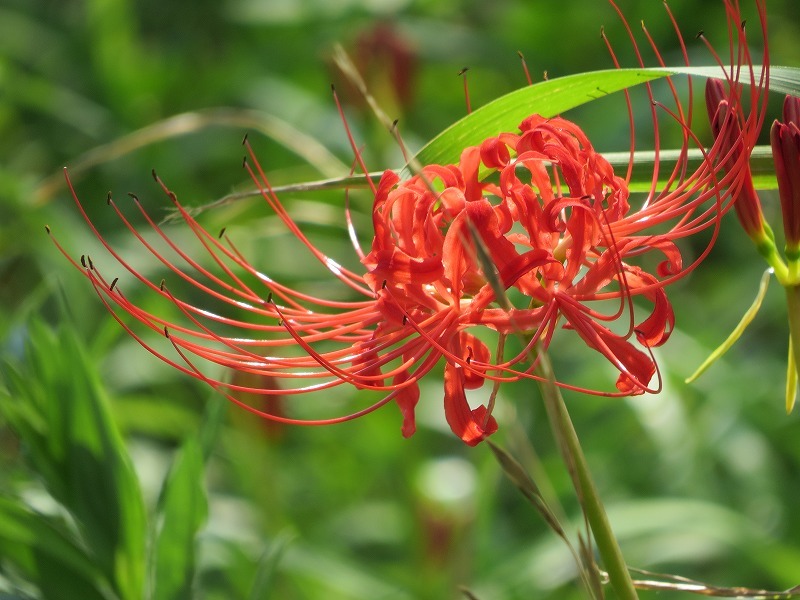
x: 737, y: 332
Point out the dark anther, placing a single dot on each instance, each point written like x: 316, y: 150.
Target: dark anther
x: 244, y: 162
x: 108, y: 197
x: 166, y: 332
x: 269, y: 298
x: 244, y: 139
x: 89, y: 260
x: 333, y: 88
x: 221, y: 232
x: 462, y: 71
x: 744, y: 24
x: 113, y: 284
x: 383, y: 285
x: 700, y: 34
x: 394, y: 123
x: 162, y: 285
x: 153, y: 173
x: 280, y: 323
x: 47, y: 229
x: 519, y: 53
x: 134, y: 196
x: 83, y: 260
x: 405, y: 319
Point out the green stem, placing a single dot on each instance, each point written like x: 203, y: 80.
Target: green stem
x: 793, y: 311
x: 572, y: 452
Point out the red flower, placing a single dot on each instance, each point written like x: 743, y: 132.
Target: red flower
x: 458, y: 258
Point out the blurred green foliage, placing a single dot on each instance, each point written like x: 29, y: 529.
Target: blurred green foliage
x: 110, y: 462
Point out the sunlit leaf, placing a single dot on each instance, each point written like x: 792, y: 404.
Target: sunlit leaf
x: 547, y: 98
x: 555, y: 96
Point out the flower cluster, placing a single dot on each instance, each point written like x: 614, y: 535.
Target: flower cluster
x: 531, y: 232
x: 450, y: 245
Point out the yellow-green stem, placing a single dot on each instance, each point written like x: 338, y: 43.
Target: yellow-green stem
x: 792, y: 269
x: 793, y: 310
x: 766, y: 248
x: 563, y: 429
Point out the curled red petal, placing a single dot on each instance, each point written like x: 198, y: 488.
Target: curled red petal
x: 472, y: 426
x: 636, y: 368
x: 473, y: 349
x: 495, y: 153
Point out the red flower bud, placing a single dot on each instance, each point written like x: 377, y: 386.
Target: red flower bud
x: 728, y: 133
x: 785, y: 140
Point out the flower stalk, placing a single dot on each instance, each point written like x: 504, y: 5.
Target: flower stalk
x: 793, y: 367
x: 569, y: 443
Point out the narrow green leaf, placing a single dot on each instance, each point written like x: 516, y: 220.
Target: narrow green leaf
x: 43, y: 553
x: 62, y: 416
x: 527, y: 486
x: 737, y: 332
x: 547, y: 98
x: 182, y: 511
x: 555, y: 96
x: 761, y: 166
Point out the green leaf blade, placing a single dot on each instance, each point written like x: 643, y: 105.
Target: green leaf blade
x: 182, y: 511
x: 555, y: 96
x: 547, y: 98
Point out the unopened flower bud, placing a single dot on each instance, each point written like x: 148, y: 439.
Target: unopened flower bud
x: 728, y: 132
x: 785, y: 140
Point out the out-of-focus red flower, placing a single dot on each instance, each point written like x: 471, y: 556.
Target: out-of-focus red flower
x: 385, y: 57
x: 531, y: 232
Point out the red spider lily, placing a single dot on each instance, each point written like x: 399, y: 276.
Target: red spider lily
x: 457, y: 256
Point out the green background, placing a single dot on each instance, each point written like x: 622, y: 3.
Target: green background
x: 700, y: 481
